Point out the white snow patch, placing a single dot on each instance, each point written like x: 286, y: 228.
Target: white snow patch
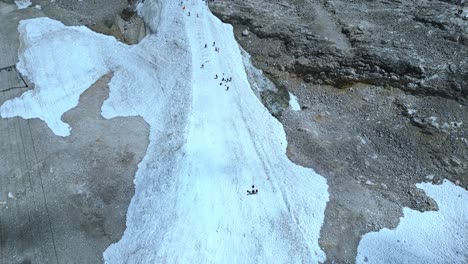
x: 10, y: 195
x: 293, y: 103
x: 38, y: 7
x: 363, y: 141
x: 48, y: 47
x: 433, y: 120
x: 21, y: 4
x: 412, y: 111
x: 428, y: 237
x: 207, y: 145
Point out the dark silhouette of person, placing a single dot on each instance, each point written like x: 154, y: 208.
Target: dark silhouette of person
x: 253, y: 191
x: 227, y: 88
x: 216, y: 77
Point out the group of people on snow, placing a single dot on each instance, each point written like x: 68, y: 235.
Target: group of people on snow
x: 253, y: 191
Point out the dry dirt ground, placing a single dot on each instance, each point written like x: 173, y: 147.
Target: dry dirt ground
x: 62, y: 200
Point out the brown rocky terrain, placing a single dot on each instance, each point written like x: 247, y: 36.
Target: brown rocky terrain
x: 417, y: 46
x: 382, y: 87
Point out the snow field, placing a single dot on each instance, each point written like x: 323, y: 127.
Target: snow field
x: 424, y: 237
x: 208, y: 144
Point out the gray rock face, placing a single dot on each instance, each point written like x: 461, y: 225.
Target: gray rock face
x: 371, y: 141
x: 418, y: 46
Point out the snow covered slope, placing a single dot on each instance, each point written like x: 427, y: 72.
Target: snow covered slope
x: 428, y: 237
x: 208, y: 143
x: 231, y: 142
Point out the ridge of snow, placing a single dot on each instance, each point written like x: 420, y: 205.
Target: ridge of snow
x: 423, y: 237
x: 208, y: 144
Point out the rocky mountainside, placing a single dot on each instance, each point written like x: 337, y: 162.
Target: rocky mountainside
x: 418, y: 46
x: 382, y: 87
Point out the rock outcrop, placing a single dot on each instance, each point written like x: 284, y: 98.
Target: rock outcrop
x: 399, y: 117
x: 418, y: 46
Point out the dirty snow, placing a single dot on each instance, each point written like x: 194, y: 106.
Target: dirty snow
x: 293, y: 104
x: 428, y: 237
x: 57, y: 89
x: 21, y: 4
x: 207, y: 145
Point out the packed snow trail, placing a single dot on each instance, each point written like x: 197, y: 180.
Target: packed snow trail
x: 208, y: 143
x: 435, y: 237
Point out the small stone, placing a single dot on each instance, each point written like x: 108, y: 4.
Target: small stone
x: 430, y: 177
x: 369, y: 182
x: 454, y: 161
x: 245, y: 33
x: 303, y: 129
x: 324, y: 114
x: 463, y: 38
